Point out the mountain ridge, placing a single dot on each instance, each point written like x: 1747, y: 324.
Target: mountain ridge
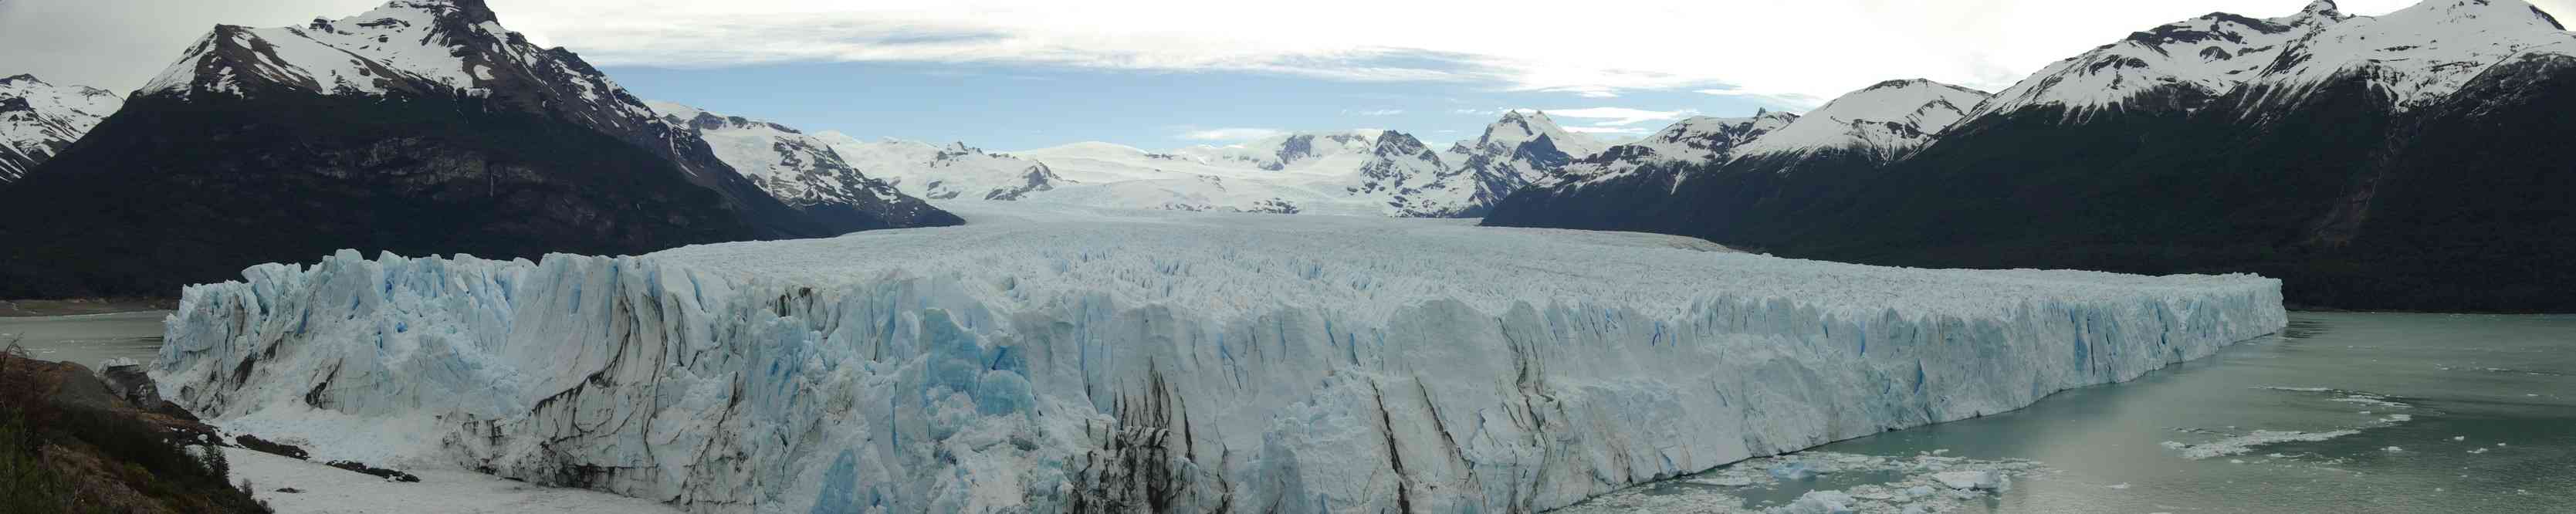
x: 2413, y: 176
x: 417, y: 127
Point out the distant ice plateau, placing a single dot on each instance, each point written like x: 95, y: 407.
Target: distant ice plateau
x: 1051, y: 358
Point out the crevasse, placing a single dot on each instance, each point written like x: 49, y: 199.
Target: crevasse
x: 1056, y: 359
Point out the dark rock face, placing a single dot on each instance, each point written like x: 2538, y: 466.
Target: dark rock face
x: 2463, y: 205
x: 254, y: 443
x: 172, y: 192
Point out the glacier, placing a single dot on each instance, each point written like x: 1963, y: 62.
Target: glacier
x: 1051, y: 358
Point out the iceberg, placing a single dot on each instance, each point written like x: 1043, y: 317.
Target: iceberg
x: 1053, y: 358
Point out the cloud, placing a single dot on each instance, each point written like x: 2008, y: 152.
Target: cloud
x: 1588, y: 91
x: 1231, y: 134
x: 1373, y: 112
x: 1785, y: 98
x: 1600, y: 51
x: 1616, y: 116
x: 1609, y: 130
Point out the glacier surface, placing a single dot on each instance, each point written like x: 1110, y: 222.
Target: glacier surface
x: 1051, y: 358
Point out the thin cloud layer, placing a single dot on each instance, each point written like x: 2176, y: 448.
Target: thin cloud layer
x: 1618, y: 116
x: 1231, y: 134
x: 1794, y: 53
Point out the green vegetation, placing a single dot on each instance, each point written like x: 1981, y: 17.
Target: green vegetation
x: 68, y: 458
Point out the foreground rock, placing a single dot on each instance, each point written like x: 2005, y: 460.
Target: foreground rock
x: 70, y: 444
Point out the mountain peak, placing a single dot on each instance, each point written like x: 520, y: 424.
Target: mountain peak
x: 1898, y: 83
x: 1888, y: 119
x: 469, y: 11
x: 2500, y: 10
x: 2321, y: 9
x: 1517, y: 128
x: 38, y: 119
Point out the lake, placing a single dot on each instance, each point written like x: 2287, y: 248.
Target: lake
x: 2480, y: 411
x: 89, y: 338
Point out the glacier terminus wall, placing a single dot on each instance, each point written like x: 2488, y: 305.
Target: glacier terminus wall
x: 1054, y: 359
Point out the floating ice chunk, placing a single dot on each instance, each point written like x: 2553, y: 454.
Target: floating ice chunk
x: 2246, y: 443
x: 1794, y: 470
x: 1818, y: 502
x: 1724, y: 480
x: 2375, y: 401
x: 2393, y: 449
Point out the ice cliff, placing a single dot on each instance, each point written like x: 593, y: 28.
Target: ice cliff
x: 1058, y: 359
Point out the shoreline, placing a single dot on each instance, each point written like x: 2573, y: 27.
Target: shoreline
x: 83, y: 306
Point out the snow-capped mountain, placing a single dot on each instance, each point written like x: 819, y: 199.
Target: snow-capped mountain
x: 414, y: 48
x: 1412, y: 180
x: 944, y: 172
x: 1362, y: 172
x: 1703, y: 140
x: 1523, y: 148
x: 1886, y: 121
x: 2175, y: 65
x: 802, y: 170
x: 2374, y: 162
x: 458, y: 49
x: 1876, y: 125
x: 1706, y: 175
x: 2412, y: 56
x: 37, y: 120
x: 2418, y: 55
x: 1698, y: 138
x: 421, y: 126
x: 1281, y: 152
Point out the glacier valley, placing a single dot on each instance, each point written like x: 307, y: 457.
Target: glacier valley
x: 1051, y: 358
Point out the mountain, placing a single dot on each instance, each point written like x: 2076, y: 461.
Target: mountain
x: 1523, y: 148
x: 2407, y: 161
x: 1413, y: 181
x: 419, y: 127
x: 1359, y: 172
x: 2172, y: 66
x: 945, y: 172
x: 802, y: 170
x: 1698, y: 139
x: 1715, y: 176
x: 37, y: 120
x: 1281, y: 152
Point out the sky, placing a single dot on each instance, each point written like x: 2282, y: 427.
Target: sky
x: 1020, y: 74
